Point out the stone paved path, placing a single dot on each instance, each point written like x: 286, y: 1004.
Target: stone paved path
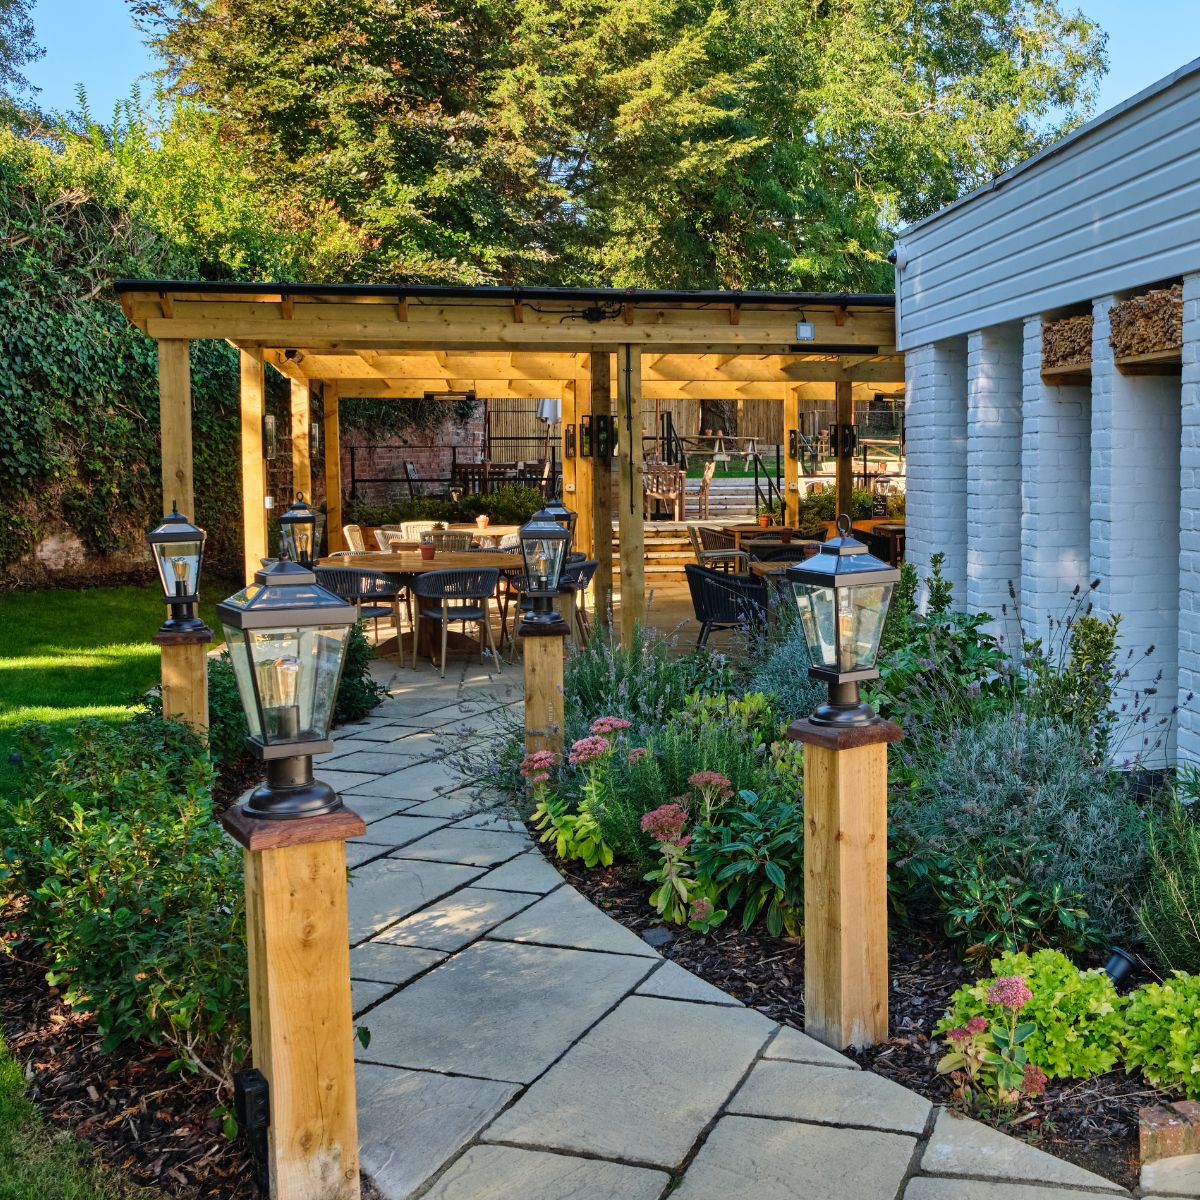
x: 524, y: 1046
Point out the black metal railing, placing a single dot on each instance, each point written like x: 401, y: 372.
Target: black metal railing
x: 671, y: 448
x: 768, y: 490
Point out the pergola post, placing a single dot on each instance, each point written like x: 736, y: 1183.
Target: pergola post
x: 630, y: 490
x: 844, y: 399
x: 254, y: 471
x: 333, y: 471
x: 301, y: 448
x: 184, y: 656
x: 791, y: 458
x: 600, y: 372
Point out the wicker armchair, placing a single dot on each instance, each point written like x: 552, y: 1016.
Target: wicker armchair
x: 451, y: 540
x: 354, y: 538
x: 717, y: 548
x: 724, y: 601
x: 454, y: 596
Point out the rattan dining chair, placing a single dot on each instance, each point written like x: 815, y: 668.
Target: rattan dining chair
x: 374, y: 594
x: 354, y: 538
x: 458, y: 595
x: 725, y: 601
x: 411, y: 530
x: 389, y: 539
x: 451, y: 540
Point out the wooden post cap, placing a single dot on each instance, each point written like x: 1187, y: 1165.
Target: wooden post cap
x: 200, y: 636
x: 843, y: 737
x: 559, y: 628
x: 257, y: 834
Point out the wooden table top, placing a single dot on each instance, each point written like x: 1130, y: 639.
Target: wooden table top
x: 492, y: 531
x: 410, y: 562
x: 763, y: 569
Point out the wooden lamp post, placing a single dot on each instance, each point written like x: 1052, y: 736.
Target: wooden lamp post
x: 178, y: 549
x: 843, y: 594
x: 287, y: 637
x: 544, y: 544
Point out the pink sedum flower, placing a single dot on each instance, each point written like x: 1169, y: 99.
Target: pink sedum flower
x: 665, y: 824
x: 702, y: 909
x: 587, y: 749
x: 1011, y: 991
x: 609, y: 725
x: 977, y: 1025
x: 1034, y: 1081
x: 711, y: 779
x: 637, y: 754
x: 959, y: 1033
x: 536, y: 767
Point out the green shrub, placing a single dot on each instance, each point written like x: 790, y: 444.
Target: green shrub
x: 227, y: 728
x: 1169, y: 914
x: 1027, y: 801
x: 822, y: 506
x: 130, y: 888
x: 1162, y: 1034
x: 509, y: 504
x: 358, y: 692
x: 782, y: 676
x: 1076, y: 1014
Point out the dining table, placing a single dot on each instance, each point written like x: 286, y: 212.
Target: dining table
x: 404, y: 565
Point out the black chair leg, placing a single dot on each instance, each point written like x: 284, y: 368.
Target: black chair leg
x: 702, y: 640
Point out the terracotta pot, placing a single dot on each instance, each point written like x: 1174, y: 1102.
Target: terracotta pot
x: 764, y: 522
x: 428, y: 550
x: 482, y: 520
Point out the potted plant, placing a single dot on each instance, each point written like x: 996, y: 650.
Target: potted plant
x: 764, y: 518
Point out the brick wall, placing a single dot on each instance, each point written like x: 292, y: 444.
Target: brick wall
x: 1188, y: 718
x: 993, y: 485
x: 1055, y: 481
x: 936, y: 445
x: 1135, y: 519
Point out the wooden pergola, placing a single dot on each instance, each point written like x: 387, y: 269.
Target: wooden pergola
x: 604, y: 352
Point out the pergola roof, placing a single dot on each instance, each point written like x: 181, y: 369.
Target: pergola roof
x: 401, y: 341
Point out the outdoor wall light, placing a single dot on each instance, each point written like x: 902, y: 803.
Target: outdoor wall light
x: 556, y: 510
x: 178, y: 548
x: 298, y: 529
x: 287, y: 637
x: 544, y: 545
x: 843, y: 594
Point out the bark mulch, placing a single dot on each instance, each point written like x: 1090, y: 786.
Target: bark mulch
x: 1093, y: 1123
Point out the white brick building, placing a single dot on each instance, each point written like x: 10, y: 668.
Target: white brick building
x: 1042, y: 481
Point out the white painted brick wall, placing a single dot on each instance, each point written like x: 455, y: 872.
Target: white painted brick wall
x: 935, y: 427
x: 1135, y: 520
x: 1188, y: 717
x: 1055, y: 470
x: 994, y: 472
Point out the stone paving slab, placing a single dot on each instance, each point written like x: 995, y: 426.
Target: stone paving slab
x: 454, y: 807
x: 411, y: 1122
x: 384, y: 963
x: 794, y: 1046
x: 493, y: 821
x: 342, y: 781
x: 358, y: 853
x: 642, y: 1085
x: 370, y: 733
x: 565, y: 918
x: 456, y: 920
x: 387, y: 889
x: 416, y: 782
x: 399, y: 829
x: 746, y: 1158
x: 1177, y: 1176
x: 506, y: 1173
x: 364, y: 993
x: 499, y: 1010
x: 960, y: 1146
x: 475, y: 847
x: 375, y: 808
x: 830, y: 1095
x: 672, y: 982
x: 379, y: 762
x: 528, y: 872
x: 924, y: 1188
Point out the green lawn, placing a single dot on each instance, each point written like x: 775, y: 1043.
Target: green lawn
x: 65, y: 655
x: 39, y: 1164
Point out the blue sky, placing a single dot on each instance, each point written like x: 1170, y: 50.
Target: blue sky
x: 93, y: 42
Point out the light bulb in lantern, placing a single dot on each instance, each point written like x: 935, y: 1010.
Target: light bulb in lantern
x: 279, y: 686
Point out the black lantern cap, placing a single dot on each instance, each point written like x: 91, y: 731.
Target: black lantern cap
x: 543, y: 528
x: 283, y: 594
x: 842, y: 561
x: 556, y: 510
x: 179, y: 573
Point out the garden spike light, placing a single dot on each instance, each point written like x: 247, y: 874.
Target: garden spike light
x: 843, y: 594
x: 298, y: 529
x: 287, y: 637
x: 178, y: 548
x: 544, y: 544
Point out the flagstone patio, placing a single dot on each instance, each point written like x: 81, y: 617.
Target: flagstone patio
x: 524, y: 1045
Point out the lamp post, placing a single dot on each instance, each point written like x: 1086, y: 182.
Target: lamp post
x: 843, y: 594
x: 178, y: 549
x: 298, y: 531
x: 287, y: 638
x: 544, y: 544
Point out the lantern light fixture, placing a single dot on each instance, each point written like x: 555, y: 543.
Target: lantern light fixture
x: 843, y: 594
x: 178, y: 549
x: 544, y: 544
x: 287, y: 638
x: 298, y: 529
x: 556, y: 510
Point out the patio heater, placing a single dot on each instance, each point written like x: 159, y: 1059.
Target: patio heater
x: 178, y: 548
x: 544, y: 543
x: 843, y: 594
x: 298, y: 530
x: 287, y: 637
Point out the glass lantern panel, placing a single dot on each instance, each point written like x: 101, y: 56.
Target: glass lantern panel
x: 816, y: 619
x: 861, y: 613
x: 543, y: 562
x: 239, y: 654
x: 298, y: 539
x: 296, y: 672
x: 178, y: 566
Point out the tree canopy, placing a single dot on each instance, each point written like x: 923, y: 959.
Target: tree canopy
x: 683, y: 143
